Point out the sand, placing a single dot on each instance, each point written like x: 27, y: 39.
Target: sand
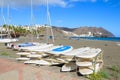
x: 111, y: 51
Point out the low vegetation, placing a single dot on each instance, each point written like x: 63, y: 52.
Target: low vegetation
x: 115, y: 69
x: 5, y: 54
x: 112, y: 73
x: 99, y: 76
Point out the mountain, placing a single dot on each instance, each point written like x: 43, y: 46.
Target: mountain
x: 84, y: 31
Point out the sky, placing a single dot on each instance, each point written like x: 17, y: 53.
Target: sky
x: 63, y: 13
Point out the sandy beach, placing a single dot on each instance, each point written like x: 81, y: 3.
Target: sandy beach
x: 111, y: 51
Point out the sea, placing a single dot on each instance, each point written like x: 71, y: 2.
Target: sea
x: 116, y: 39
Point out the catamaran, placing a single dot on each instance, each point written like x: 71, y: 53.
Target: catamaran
x: 5, y: 38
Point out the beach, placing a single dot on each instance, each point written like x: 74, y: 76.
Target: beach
x: 111, y: 52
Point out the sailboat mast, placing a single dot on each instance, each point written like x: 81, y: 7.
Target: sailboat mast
x: 49, y: 21
x: 1, y: 17
x: 2, y: 8
x: 2, y: 13
x: 8, y: 15
x: 8, y: 20
x: 31, y: 14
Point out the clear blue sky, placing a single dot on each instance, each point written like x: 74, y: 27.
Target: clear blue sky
x: 66, y: 13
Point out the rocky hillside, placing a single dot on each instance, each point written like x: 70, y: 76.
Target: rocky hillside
x: 84, y: 31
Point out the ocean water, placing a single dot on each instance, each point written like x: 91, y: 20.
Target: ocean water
x: 116, y: 39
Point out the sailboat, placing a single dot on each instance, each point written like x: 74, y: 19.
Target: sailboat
x: 26, y: 44
x: 31, y: 44
x: 8, y: 38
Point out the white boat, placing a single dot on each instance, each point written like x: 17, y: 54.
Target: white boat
x: 89, y: 62
x: 60, y: 50
x: 53, y: 59
x: 32, y: 48
x: 3, y: 38
x: 20, y: 45
x: 7, y: 40
x: 69, y: 67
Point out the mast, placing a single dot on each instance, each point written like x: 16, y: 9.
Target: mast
x: 8, y: 14
x: 32, y: 21
x: 49, y: 22
x: 1, y: 17
x: 4, y: 21
x: 8, y: 19
x: 31, y: 14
